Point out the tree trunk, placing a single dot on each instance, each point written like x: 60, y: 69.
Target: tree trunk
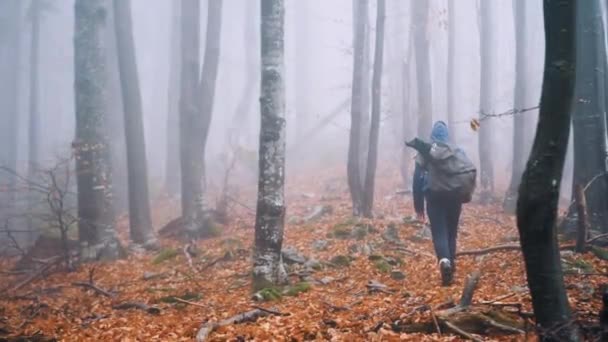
x: 268, y: 267
x: 372, y: 155
x: 519, y: 102
x: 34, y: 119
x: 407, y: 129
x: 485, y: 106
x: 588, y: 115
x: 172, y: 168
x: 451, y: 69
x: 353, y: 165
x: 96, y: 225
x: 140, y: 222
x: 241, y: 119
x: 539, y: 189
x: 191, y: 157
x: 116, y: 117
x: 10, y: 48
x: 420, y: 17
x: 365, y: 94
x: 303, y: 69
x: 209, y: 72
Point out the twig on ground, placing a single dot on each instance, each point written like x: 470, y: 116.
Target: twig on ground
x: 94, y: 288
x: 190, y: 303
x: 271, y: 311
x: 502, y: 248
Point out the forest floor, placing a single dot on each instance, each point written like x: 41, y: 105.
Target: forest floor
x: 339, y: 304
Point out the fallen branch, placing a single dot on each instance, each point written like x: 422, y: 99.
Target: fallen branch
x: 598, y: 237
x: 270, y: 311
x: 209, y: 327
x: 503, y: 248
x: 35, y: 275
x: 461, y: 332
x: 94, y: 288
x: 177, y: 299
x: 137, y: 305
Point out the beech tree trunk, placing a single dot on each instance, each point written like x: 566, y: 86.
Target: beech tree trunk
x: 172, y: 167
x: 10, y: 17
x: 140, y: 222
x: 353, y: 165
x: 372, y: 155
x: 486, y: 166
x: 209, y: 72
x: 420, y: 17
x: 34, y: 117
x: 539, y: 189
x: 96, y: 226
x: 268, y: 267
x: 588, y: 115
x: 241, y: 117
x: 451, y: 68
x: 191, y: 156
x: 519, y: 102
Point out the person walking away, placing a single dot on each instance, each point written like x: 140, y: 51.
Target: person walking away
x: 444, y: 177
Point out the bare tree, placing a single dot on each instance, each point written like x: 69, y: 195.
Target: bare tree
x: 172, y: 169
x: 588, y: 122
x: 209, y: 69
x: 10, y: 55
x: 139, y: 203
x: 451, y: 68
x: 420, y: 18
x: 268, y: 267
x: 353, y: 168
x: 94, y: 179
x: 372, y: 155
x: 303, y: 111
x: 252, y: 77
x: 191, y: 157
x: 34, y: 119
x: 485, y: 133
x: 539, y: 189
x: 519, y: 102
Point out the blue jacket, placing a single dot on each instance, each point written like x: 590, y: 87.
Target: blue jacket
x: 439, y: 133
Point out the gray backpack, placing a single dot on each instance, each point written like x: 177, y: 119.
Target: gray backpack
x: 451, y: 171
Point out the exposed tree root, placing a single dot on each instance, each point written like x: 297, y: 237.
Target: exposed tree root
x: 249, y: 316
x: 465, y: 319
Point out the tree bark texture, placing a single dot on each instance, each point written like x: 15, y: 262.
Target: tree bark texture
x: 519, y: 102
x: 140, y: 221
x: 420, y: 18
x: 374, y: 133
x: 486, y: 166
x: 451, y: 108
x: 588, y: 115
x: 539, y: 188
x: 94, y: 178
x: 172, y: 167
x: 209, y: 72
x: 355, y: 185
x: 268, y: 267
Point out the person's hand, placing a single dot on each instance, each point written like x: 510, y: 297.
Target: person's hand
x: 420, y: 217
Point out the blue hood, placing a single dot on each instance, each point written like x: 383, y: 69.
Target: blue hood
x: 440, y: 132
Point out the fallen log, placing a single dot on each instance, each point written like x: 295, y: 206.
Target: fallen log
x: 209, y: 327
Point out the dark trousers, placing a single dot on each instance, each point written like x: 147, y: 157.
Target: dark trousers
x: 444, y: 213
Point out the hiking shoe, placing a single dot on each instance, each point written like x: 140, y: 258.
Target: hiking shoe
x: 445, y: 267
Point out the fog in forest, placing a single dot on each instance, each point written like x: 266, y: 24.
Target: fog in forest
x: 164, y: 132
